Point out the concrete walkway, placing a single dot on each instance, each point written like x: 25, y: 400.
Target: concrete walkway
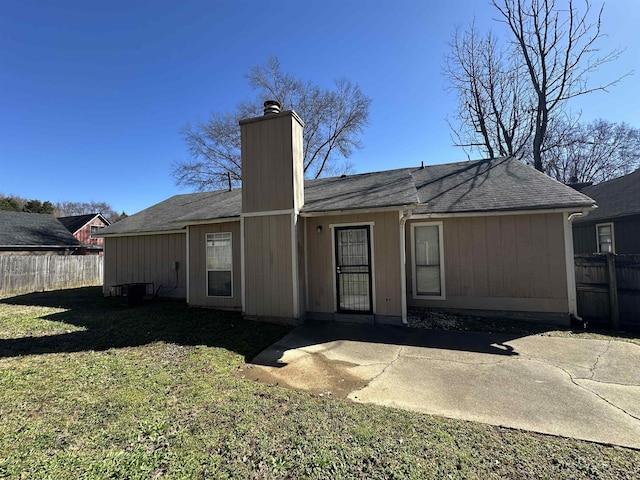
x: 585, y: 389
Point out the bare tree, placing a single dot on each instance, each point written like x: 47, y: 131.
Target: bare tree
x: 593, y: 152
x: 558, y: 47
x: 334, y: 119
x: 523, y: 86
x: 494, y: 108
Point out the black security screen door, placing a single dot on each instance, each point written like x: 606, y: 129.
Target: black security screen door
x: 353, y: 269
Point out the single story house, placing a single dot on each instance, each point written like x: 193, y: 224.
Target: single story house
x: 34, y: 234
x: 83, y: 228
x: 615, y: 225
x: 487, y: 236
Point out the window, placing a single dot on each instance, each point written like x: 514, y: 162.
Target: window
x: 94, y: 229
x: 428, y: 260
x: 604, y: 234
x: 219, y: 265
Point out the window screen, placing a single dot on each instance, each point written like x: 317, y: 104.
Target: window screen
x: 605, y: 238
x: 427, y: 260
x: 219, y: 265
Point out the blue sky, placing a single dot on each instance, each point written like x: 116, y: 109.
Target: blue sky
x: 93, y: 94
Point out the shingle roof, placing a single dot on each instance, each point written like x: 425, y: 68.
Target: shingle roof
x: 74, y: 223
x: 368, y: 190
x: 615, y: 198
x: 33, y: 230
x: 159, y: 217
x: 491, y: 185
x: 502, y: 184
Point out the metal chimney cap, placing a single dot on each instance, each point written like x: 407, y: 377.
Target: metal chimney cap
x: 271, y: 107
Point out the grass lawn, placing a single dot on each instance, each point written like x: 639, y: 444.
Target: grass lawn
x: 92, y: 389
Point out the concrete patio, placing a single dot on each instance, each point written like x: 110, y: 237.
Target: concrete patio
x: 579, y: 388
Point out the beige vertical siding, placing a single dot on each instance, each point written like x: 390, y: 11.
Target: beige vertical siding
x: 272, y: 176
x: 147, y: 258
x: 269, y: 280
x: 198, y: 266
x: 385, y: 261
x: 507, y: 262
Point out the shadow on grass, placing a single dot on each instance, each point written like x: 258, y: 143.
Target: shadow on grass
x: 108, y: 324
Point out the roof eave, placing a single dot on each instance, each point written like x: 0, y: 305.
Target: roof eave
x: 136, y: 234
x: 347, y: 211
x: 504, y: 211
x: 205, y: 221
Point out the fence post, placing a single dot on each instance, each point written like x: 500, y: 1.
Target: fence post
x: 614, y: 311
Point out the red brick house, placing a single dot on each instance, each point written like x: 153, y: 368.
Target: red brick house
x: 82, y: 227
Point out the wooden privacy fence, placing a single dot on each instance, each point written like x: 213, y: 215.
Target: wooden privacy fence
x: 35, y: 273
x: 608, y: 288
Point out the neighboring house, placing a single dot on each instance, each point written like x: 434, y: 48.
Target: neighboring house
x: 488, y: 236
x: 615, y: 225
x: 34, y: 234
x: 83, y: 227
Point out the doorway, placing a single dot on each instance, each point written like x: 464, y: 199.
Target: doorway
x: 353, y: 269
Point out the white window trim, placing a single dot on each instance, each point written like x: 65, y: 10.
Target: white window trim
x: 442, y: 295
x: 613, y: 236
x: 94, y: 229
x: 207, y: 270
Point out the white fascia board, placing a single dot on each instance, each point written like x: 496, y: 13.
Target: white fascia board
x: 493, y: 213
x: 139, y: 234
x: 92, y: 219
x: 206, y: 222
x: 358, y: 211
x: 268, y: 213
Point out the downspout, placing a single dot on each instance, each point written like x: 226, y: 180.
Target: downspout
x: 403, y: 264
x: 570, y: 262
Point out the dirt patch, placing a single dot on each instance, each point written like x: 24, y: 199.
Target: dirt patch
x: 313, y: 373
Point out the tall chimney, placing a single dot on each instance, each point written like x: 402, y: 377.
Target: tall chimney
x: 272, y: 170
x: 272, y: 196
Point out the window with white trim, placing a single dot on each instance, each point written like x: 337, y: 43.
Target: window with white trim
x: 604, y: 238
x: 219, y: 265
x: 95, y: 229
x: 428, y: 260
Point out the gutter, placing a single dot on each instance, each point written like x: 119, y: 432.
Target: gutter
x: 490, y: 213
x: 584, y: 213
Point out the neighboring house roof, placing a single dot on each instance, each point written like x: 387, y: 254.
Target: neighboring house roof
x: 74, y: 223
x: 19, y: 229
x: 615, y: 198
x: 503, y: 184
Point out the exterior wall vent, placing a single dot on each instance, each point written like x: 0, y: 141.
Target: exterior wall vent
x: 271, y: 107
